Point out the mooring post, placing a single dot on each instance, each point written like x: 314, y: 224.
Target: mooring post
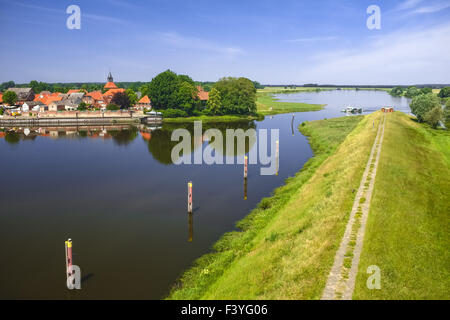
x: 69, y: 260
x: 190, y: 197
x: 292, y: 124
x: 245, y: 166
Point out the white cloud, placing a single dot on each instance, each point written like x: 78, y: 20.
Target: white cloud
x: 312, y: 39
x: 185, y: 42
x: 408, y: 4
x: 402, y: 57
x: 433, y: 8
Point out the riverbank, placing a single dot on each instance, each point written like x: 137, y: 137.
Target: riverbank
x: 268, y: 105
x: 287, y: 244
x: 226, y: 118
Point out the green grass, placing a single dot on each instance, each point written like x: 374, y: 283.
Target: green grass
x: 266, y: 104
x: 287, y: 244
x: 407, y: 233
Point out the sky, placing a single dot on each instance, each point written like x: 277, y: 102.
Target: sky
x: 270, y: 41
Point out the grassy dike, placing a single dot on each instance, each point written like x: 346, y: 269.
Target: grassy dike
x: 287, y: 244
x: 407, y: 234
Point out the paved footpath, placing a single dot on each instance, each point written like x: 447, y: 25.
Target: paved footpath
x: 342, y: 277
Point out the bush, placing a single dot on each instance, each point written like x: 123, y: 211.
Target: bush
x: 447, y: 114
x: 173, y: 113
x: 444, y: 93
x: 434, y: 116
x: 2, y: 111
x: 424, y: 103
x: 112, y: 107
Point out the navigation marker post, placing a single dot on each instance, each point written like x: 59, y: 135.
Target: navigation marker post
x: 190, y: 197
x: 69, y: 261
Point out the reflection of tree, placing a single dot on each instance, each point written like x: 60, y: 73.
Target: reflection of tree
x: 160, y: 146
x: 124, y: 137
x: 12, y: 137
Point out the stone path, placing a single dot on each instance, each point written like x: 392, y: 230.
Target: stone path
x: 342, y: 277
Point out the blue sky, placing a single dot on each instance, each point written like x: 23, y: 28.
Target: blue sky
x: 271, y: 41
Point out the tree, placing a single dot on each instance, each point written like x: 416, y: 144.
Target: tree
x: 434, y: 116
x: 422, y: 104
x: 444, y: 93
x: 396, y: 91
x: 121, y: 99
x: 412, y: 92
x: 6, y: 85
x: 132, y: 96
x: 447, y: 114
x: 10, y: 98
x: 258, y: 85
x: 426, y: 90
x: 214, y: 103
x: 163, y: 90
x: 187, y: 96
x: 82, y: 106
x: 238, y: 95
x: 112, y: 107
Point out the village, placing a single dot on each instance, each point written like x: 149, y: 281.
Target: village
x: 77, y: 103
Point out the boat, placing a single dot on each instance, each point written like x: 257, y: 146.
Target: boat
x: 352, y: 110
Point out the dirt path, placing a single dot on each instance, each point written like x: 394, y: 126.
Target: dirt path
x: 341, y: 280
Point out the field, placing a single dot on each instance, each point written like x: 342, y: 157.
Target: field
x: 266, y: 104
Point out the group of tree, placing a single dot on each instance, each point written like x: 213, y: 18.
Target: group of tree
x: 409, y: 92
x: 232, y: 96
x: 428, y: 108
x: 10, y: 98
x: 177, y: 95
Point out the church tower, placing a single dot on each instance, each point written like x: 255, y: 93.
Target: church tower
x: 110, y: 77
x: 110, y: 84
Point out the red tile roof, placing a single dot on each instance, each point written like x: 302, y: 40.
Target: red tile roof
x: 73, y: 91
x: 144, y: 99
x: 1, y: 97
x: 96, y: 95
x: 203, y: 95
x: 110, y: 85
x: 111, y: 92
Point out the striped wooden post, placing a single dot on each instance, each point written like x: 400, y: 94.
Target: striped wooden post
x: 245, y: 166
x: 69, y: 259
x: 190, y: 196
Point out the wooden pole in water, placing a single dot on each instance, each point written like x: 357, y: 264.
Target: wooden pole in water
x: 292, y: 124
x: 69, y: 260
x: 245, y: 166
x: 190, y: 197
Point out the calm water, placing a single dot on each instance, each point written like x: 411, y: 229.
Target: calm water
x: 115, y: 192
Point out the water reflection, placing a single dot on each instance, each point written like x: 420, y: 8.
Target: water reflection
x: 158, y: 139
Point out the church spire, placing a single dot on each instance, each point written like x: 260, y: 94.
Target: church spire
x: 110, y: 77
